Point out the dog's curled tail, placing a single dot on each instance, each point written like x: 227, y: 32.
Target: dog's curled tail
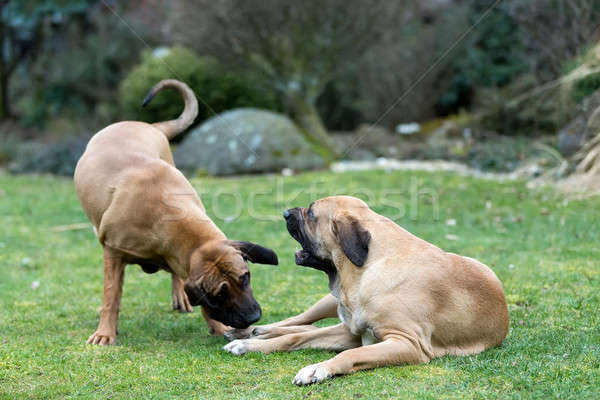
x: 175, y: 126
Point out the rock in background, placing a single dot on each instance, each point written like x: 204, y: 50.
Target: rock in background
x: 246, y: 140
x: 59, y: 158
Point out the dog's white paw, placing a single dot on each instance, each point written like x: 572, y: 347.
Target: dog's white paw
x: 315, y: 373
x: 237, y: 347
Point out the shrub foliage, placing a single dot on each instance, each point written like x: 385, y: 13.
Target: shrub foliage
x: 217, y: 90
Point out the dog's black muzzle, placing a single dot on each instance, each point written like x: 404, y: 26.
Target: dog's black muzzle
x: 238, y: 313
x: 238, y: 317
x: 293, y: 219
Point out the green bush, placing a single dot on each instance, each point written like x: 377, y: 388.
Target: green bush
x: 217, y: 90
x: 585, y: 87
x: 98, y: 50
x: 338, y: 105
x: 492, y: 57
x: 8, y: 147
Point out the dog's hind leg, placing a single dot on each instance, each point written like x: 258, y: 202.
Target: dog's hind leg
x: 114, y: 273
x: 324, y: 308
x: 180, y: 299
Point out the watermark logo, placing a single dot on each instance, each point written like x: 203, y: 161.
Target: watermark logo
x: 415, y: 202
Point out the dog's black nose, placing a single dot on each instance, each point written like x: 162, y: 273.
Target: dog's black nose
x: 286, y: 214
x: 254, y: 317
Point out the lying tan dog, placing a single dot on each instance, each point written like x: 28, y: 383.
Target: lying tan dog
x: 401, y: 300
x: 145, y: 212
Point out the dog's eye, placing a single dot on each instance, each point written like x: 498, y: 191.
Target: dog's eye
x: 310, y: 214
x: 245, y: 279
x: 222, y: 295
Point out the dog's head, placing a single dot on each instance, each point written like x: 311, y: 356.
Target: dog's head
x: 327, y: 225
x: 219, y: 280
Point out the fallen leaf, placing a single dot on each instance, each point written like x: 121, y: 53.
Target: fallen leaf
x: 71, y: 227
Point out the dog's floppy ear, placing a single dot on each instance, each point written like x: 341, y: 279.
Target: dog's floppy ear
x: 194, y: 292
x: 255, y: 253
x: 353, y: 237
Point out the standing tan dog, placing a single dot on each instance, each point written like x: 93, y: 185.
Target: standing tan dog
x: 145, y: 212
x: 401, y: 300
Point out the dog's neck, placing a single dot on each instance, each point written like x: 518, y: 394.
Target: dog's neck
x: 346, y: 274
x: 184, y: 237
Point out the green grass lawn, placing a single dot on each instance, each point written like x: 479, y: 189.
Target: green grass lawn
x: 545, y: 250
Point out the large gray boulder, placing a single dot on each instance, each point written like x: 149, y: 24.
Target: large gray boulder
x: 59, y: 158
x: 571, y: 137
x: 244, y: 141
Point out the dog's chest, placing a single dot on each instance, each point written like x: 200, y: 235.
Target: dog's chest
x: 357, y: 322
x: 354, y: 317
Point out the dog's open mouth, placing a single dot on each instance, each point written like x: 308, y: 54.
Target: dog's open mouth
x: 305, y: 258
x: 302, y: 256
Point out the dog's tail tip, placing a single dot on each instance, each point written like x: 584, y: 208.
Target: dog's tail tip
x: 148, y: 98
x: 190, y: 111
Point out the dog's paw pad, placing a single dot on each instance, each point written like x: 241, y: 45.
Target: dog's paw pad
x: 315, y: 373
x: 237, y: 347
x: 102, y: 339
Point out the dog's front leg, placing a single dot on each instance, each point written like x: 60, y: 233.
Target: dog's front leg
x: 215, y: 327
x: 324, y: 308
x: 392, y: 351
x: 335, y: 338
x: 269, y: 332
x: 180, y: 299
x: 114, y: 273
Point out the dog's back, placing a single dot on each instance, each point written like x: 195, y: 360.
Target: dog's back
x: 126, y: 146
x: 112, y: 151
